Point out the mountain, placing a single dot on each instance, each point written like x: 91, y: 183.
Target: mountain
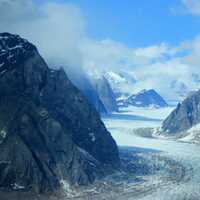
x: 105, y: 93
x: 145, y: 98
x: 185, y: 116
x: 49, y: 133
x: 121, y: 83
x: 125, y: 82
x: 83, y: 83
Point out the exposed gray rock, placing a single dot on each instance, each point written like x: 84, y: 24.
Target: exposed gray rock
x: 186, y: 115
x: 48, y: 130
x: 145, y: 98
x: 82, y: 82
x: 105, y: 93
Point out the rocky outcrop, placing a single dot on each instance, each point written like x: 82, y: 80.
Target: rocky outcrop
x: 145, y: 98
x: 105, y: 93
x: 82, y: 82
x: 186, y: 115
x: 48, y: 130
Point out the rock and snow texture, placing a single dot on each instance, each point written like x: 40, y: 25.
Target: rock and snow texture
x: 191, y: 135
x: 145, y: 98
x: 122, y: 83
x: 96, y: 89
x: 48, y: 130
x: 105, y: 93
x: 187, y: 154
x: 126, y: 82
x: 81, y: 80
x: 185, y: 116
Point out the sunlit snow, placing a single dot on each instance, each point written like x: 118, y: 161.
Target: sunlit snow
x: 121, y: 126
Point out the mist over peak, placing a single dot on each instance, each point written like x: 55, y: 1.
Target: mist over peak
x: 60, y: 31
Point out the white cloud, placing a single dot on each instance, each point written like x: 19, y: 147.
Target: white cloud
x: 56, y: 29
x: 156, y: 51
x: 192, y: 6
x: 108, y: 54
x: 59, y: 32
x: 193, y: 58
x: 168, y: 77
x: 158, y: 66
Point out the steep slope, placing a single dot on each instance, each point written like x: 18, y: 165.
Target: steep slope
x: 186, y: 115
x: 121, y: 82
x: 146, y: 98
x: 48, y: 130
x: 82, y: 82
x: 105, y: 93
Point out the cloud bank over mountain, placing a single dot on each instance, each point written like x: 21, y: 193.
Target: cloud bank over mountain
x: 57, y: 29
x: 60, y: 32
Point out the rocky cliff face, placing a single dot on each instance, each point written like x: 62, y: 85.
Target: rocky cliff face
x: 105, y: 93
x: 186, y: 115
x: 82, y: 82
x: 48, y: 130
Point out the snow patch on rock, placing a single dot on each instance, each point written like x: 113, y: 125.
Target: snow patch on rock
x: 192, y: 135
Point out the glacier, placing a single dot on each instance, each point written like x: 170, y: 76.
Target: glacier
x: 186, y: 154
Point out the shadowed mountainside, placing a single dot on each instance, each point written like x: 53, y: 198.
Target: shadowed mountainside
x: 48, y: 130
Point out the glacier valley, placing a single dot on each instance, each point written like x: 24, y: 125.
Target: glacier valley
x: 186, y: 174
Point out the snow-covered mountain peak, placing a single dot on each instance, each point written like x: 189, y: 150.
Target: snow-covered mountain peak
x: 145, y: 98
x: 13, y: 49
x: 115, y: 77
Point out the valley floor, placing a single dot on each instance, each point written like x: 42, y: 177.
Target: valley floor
x: 185, y: 184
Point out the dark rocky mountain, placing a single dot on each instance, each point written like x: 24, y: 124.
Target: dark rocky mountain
x: 105, y: 93
x: 186, y: 115
x: 48, y: 130
x: 82, y: 82
x: 145, y: 98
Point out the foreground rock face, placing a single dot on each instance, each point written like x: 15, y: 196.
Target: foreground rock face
x: 48, y: 130
x: 186, y: 115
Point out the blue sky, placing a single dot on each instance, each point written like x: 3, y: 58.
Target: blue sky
x: 138, y: 23
x: 155, y: 41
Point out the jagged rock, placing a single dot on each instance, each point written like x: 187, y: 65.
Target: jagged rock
x: 145, y: 98
x: 186, y: 115
x: 48, y: 130
x: 82, y: 82
x: 105, y: 93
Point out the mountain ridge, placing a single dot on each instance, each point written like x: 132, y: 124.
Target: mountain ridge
x: 48, y: 130
x: 145, y: 98
x: 184, y: 116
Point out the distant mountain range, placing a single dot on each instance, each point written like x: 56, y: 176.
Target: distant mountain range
x: 145, y: 98
x: 125, y: 83
x: 103, y: 89
x: 108, y: 91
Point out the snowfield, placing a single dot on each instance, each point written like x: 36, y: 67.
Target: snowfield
x: 151, y: 168
x: 188, y: 187
x: 149, y: 112
x: 192, y: 135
